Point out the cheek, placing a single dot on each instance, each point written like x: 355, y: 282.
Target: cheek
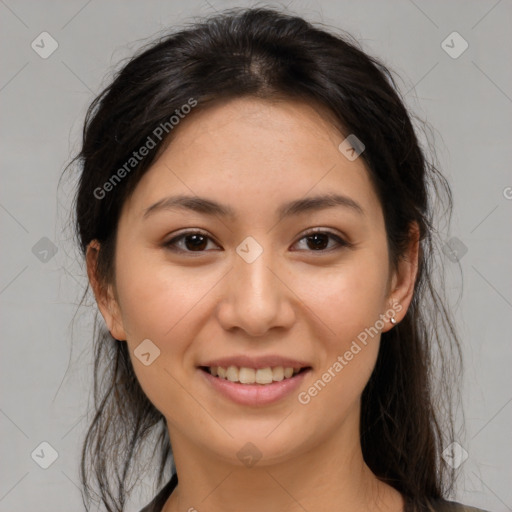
x: 160, y: 303
x: 155, y: 296
x: 347, y: 299
x: 165, y: 304
x: 347, y: 302
x: 349, y: 348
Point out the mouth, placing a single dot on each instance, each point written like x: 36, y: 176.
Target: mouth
x: 254, y: 376
x: 254, y: 387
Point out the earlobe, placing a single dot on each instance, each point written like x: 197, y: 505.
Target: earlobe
x: 103, y: 293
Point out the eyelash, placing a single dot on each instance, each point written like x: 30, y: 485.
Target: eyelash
x: 340, y: 241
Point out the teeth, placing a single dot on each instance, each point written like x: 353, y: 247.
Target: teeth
x: 232, y: 374
x: 251, y: 375
x: 246, y: 375
x: 264, y: 375
x: 278, y: 373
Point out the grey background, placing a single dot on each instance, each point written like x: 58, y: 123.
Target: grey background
x: 45, y: 363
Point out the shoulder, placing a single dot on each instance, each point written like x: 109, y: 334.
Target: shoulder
x: 453, y: 506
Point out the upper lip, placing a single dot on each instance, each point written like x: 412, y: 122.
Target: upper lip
x: 256, y: 362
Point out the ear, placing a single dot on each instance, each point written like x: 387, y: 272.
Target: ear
x: 404, y: 276
x: 104, y: 293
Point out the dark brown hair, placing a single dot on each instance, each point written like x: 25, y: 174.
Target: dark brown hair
x: 407, y: 412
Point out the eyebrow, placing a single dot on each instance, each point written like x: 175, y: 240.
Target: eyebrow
x: 209, y: 207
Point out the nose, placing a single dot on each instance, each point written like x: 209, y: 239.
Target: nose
x: 255, y: 297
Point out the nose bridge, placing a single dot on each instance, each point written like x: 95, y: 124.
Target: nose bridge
x: 254, y: 279
x: 256, y: 300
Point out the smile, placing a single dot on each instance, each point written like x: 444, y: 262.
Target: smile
x: 251, y: 386
x: 244, y: 375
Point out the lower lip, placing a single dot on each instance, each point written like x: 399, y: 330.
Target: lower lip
x: 255, y: 394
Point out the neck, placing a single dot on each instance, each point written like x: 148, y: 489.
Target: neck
x: 331, y: 475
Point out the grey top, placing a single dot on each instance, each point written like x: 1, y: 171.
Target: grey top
x: 158, y: 502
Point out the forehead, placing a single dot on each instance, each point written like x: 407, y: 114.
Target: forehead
x: 255, y: 154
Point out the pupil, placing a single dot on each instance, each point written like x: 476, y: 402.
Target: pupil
x: 198, y: 242
x: 319, y: 240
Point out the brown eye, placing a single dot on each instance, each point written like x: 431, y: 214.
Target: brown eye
x: 195, y: 242
x: 319, y: 241
x: 189, y: 242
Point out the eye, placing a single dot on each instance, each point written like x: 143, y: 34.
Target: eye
x: 197, y: 241
x: 318, y: 241
x: 191, y: 241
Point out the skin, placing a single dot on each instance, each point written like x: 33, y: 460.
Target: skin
x: 254, y: 155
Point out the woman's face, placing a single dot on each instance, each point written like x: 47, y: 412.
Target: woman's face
x: 255, y: 283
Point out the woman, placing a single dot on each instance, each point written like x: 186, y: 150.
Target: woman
x: 256, y: 216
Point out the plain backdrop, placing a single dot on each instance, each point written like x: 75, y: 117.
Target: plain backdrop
x: 45, y: 364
